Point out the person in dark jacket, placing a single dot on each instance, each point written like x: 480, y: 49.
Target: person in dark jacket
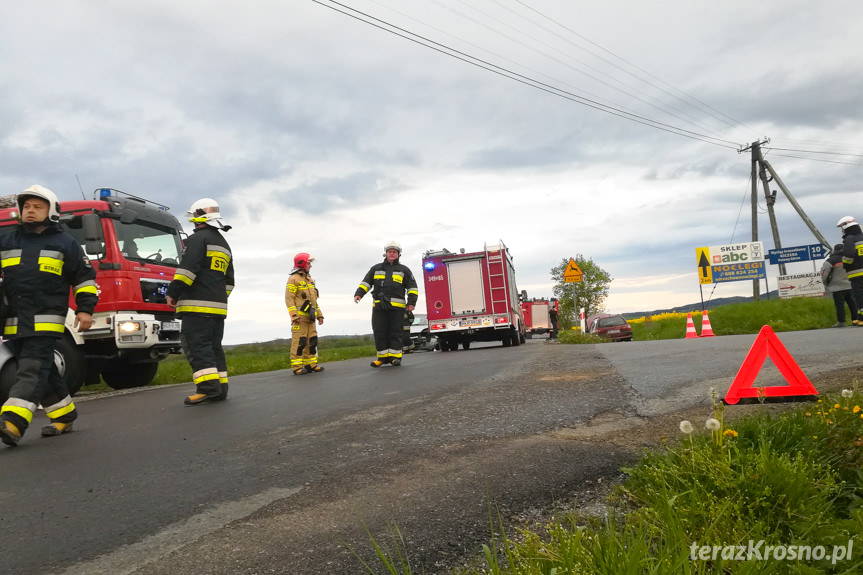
x: 852, y: 260
x: 394, y: 290
x: 40, y: 262
x: 836, y: 283
x: 199, y: 292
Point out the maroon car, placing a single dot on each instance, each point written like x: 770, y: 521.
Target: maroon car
x: 609, y: 326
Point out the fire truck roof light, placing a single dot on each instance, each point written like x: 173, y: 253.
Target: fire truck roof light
x: 104, y: 193
x: 429, y: 265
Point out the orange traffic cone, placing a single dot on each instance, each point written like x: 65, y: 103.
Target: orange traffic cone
x: 706, y: 330
x: 690, y: 327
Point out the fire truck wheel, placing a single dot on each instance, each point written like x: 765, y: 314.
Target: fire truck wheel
x: 506, y: 338
x: 465, y: 343
x: 516, y: 338
x: 123, y: 374
x: 70, y: 363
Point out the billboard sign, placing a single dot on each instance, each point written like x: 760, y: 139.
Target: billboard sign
x: 801, y: 285
x: 798, y: 254
x: 732, y: 262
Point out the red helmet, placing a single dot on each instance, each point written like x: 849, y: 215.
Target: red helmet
x: 303, y: 260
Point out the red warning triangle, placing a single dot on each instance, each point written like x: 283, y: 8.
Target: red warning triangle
x: 766, y: 345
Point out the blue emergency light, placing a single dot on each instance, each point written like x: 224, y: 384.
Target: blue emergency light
x: 429, y: 265
x: 104, y: 193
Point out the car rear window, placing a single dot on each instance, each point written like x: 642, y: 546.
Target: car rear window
x: 611, y: 321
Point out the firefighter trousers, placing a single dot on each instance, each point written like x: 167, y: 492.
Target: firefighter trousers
x: 304, y: 343
x: 37, y: 382
x: 857, y: 293
x: 388, y: 327
x: 201, y: 338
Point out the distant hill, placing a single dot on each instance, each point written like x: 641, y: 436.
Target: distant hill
x: 709, y: 305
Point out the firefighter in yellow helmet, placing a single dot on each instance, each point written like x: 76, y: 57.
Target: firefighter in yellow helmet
x: 301, y: 297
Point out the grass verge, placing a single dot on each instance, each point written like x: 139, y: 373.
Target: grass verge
x: 774, y: 493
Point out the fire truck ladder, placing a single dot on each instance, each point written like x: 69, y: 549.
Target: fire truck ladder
x: 495, y: 262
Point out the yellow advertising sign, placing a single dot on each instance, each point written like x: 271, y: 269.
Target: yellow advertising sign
x: 705, y: 271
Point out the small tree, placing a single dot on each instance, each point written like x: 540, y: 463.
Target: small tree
x: 590, y: 293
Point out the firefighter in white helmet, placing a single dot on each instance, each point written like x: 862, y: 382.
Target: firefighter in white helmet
x: 40, y: 262
x: 394, y: 290
x: 852, y: 261
x: 301, y: 297
x: 199, y: 292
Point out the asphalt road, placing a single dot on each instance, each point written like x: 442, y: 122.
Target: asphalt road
x: 289, y: 474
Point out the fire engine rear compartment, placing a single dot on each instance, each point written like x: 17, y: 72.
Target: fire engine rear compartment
x: 472, y: 297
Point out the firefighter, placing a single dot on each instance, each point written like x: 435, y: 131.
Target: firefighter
x: 394, y: 290
x: 852, y: 261
x: 301, y: 297
x: 40, y: 262
x: 199, y: 292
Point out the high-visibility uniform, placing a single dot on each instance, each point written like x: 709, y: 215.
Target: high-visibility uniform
x: 301, y: 298
x: 852, y: 261
x: 393, y: 288
x: 38, y: 270
x: 201, y: 286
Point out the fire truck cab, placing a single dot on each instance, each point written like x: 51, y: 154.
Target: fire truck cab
x: 472, y: 297
x: 135, y: 246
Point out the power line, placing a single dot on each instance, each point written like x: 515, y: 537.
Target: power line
x: 480, y: 63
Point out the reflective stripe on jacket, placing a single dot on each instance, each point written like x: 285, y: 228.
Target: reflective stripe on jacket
x: 38, y: 272
x: 299, y: 290
x: 205, y: 278
x: 390, y: 281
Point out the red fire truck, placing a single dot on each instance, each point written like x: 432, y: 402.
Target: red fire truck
x: 537, y: 320
x: 135, y: 246
x: 472, y: 297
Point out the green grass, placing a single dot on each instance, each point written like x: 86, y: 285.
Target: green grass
x: 260, y: 357
x: 740, y: 318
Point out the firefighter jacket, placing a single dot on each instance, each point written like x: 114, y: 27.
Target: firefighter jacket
x: 301, y: 296
x: 392, y: 285
x: 38, y: 270
x: 205, y: 278
x: 852, y: 252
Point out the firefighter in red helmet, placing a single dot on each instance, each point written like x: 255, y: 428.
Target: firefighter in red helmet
x: 301, y: 297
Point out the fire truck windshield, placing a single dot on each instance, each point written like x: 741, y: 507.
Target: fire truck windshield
x: 149, y: 242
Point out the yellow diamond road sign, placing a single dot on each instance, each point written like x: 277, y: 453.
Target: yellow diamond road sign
x: 572, y: 273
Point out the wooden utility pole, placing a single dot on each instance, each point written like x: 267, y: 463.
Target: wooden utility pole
x: 760, y: 169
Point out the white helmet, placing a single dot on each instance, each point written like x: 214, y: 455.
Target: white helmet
x: 393, y: 245
x: 846, y: 222
x: 37, y: 191
x: 206, y: 211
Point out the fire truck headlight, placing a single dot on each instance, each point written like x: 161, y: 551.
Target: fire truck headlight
x: 130, y: 326
x: 429, y: 266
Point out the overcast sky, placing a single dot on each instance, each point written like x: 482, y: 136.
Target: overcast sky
x: 319, y: 132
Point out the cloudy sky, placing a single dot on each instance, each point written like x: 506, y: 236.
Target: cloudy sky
x: 607, y: 129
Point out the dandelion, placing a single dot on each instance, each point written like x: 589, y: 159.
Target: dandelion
x: 807, y: 414
x: 730, y: 433
x: 686, y: 426
x: 856, y: 409
x: 713, y: 424
x: 846, y: 393
x: 836, y: 406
